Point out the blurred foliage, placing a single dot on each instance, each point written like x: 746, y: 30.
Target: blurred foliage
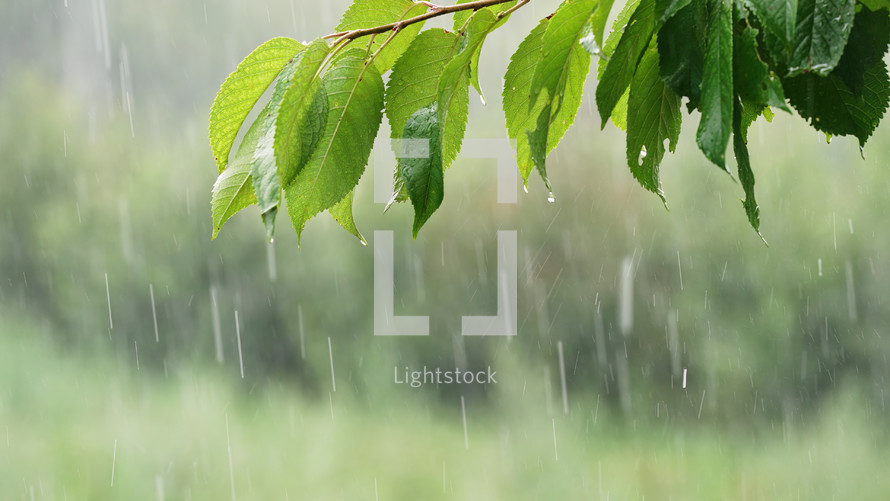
x: 785, y: 347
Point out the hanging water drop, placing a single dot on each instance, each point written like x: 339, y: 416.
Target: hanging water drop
x: 550, y: 197
x: 642, y: 155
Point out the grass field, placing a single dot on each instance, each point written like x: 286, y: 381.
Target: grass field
x: 78, y: 427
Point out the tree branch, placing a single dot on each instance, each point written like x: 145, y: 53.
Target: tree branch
x: 435, y: 11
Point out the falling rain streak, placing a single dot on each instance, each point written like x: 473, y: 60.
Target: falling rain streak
x: 238, y: 338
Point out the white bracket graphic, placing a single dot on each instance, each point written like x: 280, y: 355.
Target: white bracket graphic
x: 504, y: 323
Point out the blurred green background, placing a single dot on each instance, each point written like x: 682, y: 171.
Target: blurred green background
x: 112, y: 294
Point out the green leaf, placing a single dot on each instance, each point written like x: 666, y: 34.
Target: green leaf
x: 453, y: 91
x: 424, y: 176
x: 302, y: 114
x: 866, y: 46
x: 233, y: 189
x: 355, y: 103
x: 681, y: 49
x: 716, y: 95
x: 653, y: 117
x: 414, y: 83
x: 460, y: 17
x: 876, y: 4
x: 779, y: 17
x: 666, y: 9
x: 832, y: 107
x: 820, y: 35
x: 556, y: 87
x: 561, y: 40
x: 746, y: 175
x: 373, y: 13
x: 598, y: 26
x: 342, y: 213
x: 752, y: 80
x: 517, y: 93
x: 242, y: 89
x: 273, y: 168
x: 623, y: 62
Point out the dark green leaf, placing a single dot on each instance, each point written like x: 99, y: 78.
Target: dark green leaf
x: 242, y: 89
x: 716, y: 95
x: 666, y: 9
x: 832, y: 107
x: 866, y: 46
x: 820, y: 35
x: 424, y: 176
x: 653, y: 117
x: 355, y: 103
x: 373, y: 13
x: 623, y: 62
x: 779, y: 17
x: 746, y: 175
x: 752, y: 80
x: 681, y: 50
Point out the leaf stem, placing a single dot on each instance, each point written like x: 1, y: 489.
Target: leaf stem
x: 509, y: 11
x: 433, y: 12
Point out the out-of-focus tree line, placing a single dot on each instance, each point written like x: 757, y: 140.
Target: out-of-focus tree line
x: 105, y: 174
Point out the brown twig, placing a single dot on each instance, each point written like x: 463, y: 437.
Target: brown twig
x: 434, y: 11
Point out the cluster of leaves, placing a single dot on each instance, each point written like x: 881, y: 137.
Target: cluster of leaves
x: 733, y: 61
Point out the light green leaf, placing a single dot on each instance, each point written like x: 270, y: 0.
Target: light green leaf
x: 424, y: 177
x: 561, y: 40
x: 355, y: 103
x: 460, y: 17
x: 453, y: 91
x: 267, y: 171
x: 716, y: 94
x: 598, y: 26
x: 876, y: 5
x: 746, y: 175
x: 517, y: 93
x: 820, y: 35
x: 233, y: 189
x: 302, y: 114
x: 414, y: 83
x: 373, y: 13
x: 555, y: 89
x: 653, y: 117
x: 623, y: 62
x: 242, y: 89
x: 342, y: 213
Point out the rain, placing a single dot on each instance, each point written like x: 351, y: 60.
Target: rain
x: 657, y: 354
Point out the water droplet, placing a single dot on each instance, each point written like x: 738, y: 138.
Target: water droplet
x: 642, y: 155
x: 482, y: 98
x: 550, y: 197
x: 525, y: 187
